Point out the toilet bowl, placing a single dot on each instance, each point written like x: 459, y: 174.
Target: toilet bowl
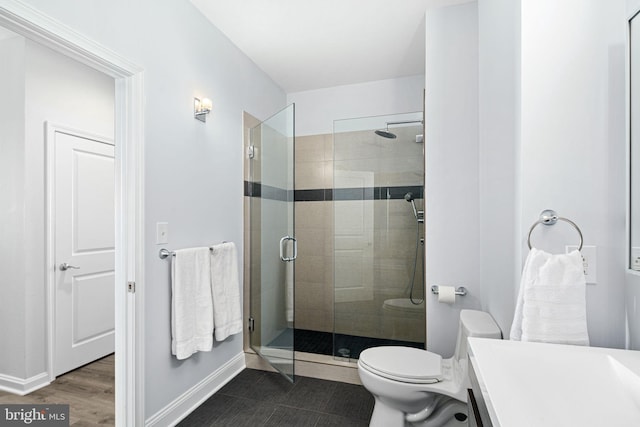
x: 413, y: 387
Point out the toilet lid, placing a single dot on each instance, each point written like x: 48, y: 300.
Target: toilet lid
x: 404, y: 364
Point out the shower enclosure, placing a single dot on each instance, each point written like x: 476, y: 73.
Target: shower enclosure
x: 359, y: 274
x: 353, y: 202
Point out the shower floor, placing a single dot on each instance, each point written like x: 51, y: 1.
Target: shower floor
x: 322, y: 343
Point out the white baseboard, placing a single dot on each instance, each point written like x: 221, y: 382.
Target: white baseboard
x: 184, y: 404
x: 21, y: 386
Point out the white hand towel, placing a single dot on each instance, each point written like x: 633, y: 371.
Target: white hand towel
x: 191, y: 302
x: 531, y: 264
x: 551, y: 304
x: 225, y: 287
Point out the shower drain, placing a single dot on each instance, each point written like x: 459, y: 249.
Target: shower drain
x: 344, y: 352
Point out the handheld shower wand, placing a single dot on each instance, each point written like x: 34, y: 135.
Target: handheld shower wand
x: 409, y: 198
x: 418, y: 214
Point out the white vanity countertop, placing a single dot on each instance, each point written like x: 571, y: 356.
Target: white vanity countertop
x: 542, y: 385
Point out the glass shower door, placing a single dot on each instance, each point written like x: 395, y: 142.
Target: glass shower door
x: 273, y: 245
x: 378, y: 206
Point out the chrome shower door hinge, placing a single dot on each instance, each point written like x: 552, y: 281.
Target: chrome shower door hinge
x: 251, y: 151
x: 252, y: 324
x: 131, y: 287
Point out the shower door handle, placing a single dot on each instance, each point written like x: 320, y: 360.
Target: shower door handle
x: 283, y: 243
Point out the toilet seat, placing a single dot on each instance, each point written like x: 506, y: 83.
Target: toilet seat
x: 404, y: 364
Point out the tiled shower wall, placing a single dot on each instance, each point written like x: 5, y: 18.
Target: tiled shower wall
x: 314, y: 231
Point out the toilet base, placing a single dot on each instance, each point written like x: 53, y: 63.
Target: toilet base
x: 451, y: 423
x: 443, y: 416
x: 386, y: 416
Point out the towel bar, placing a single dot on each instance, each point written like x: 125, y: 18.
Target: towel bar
x: 166, y: 253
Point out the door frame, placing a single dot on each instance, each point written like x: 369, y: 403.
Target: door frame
x: 51, y: 129
x: 129, y: 172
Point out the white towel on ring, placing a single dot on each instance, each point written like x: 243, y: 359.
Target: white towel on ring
x: 551, y: 304
x: 225, y: 287
x: 191, y: 302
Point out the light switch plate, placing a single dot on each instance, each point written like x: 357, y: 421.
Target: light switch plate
x: 589, y: 256
x: 162, y: 233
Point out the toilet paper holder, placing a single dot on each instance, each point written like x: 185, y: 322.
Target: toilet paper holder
x: 461, y: 290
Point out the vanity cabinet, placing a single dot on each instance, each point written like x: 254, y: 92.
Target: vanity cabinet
x: 472, y: 410
x: 476, y: 406
x: 529, y: 384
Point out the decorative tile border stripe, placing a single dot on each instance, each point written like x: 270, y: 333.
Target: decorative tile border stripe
x: 256, y: 189
x: 326, y: 194
x: 314, y: 195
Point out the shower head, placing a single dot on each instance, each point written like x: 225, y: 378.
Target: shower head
x: 409, y: 197
x: 385, y: 134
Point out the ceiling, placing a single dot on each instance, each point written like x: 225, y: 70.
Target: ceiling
x: 312, y: 44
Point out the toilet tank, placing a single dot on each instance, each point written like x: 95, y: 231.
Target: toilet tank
x: 474, y: 323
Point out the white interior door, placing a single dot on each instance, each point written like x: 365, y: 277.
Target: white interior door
x: 84, y: 234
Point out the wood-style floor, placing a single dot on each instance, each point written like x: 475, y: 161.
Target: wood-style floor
x: 89, y: 392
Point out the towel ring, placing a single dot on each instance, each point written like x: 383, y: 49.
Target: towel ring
x: 550, y: 217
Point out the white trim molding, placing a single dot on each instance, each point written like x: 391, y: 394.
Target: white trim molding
x: 21, y: 387
x: 182, y: 406
x: 29, y: 22
x: 129, y: 139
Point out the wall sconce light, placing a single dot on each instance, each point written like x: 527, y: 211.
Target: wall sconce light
x: 201, y: 107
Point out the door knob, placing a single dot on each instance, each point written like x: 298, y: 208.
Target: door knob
x: 64, y: 267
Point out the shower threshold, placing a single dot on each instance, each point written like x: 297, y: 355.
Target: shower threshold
x: 347, y: 346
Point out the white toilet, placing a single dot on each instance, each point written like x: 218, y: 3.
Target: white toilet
x: 415, y: 387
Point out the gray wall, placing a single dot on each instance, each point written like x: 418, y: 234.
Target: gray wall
x: 573, y: 140
x: 12, y: 296
x: 452, y: 220
x: 632, y: 279
x: 499, y: 139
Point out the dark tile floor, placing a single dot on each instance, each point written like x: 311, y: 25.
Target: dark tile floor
x: 259, y: 398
